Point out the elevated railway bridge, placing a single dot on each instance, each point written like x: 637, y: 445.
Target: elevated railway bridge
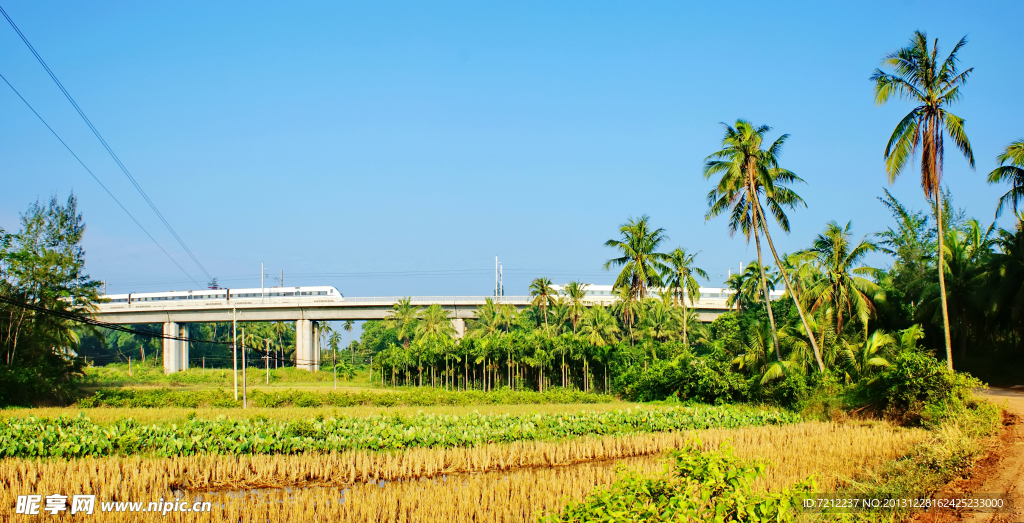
x: 308, y: 306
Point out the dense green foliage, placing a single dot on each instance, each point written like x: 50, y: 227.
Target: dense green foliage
x: 301, y: 398
x: 73, y: 437
x: 42, y: 265
x: 695, y: 487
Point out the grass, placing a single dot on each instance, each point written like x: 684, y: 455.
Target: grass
x: 152, y: 374
x: 488, y: 483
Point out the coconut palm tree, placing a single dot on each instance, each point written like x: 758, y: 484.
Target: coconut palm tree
x: 334, y: 339
x: 863, y: 358
x: 642, y: 264
x: 629, y: 309
x: 746, y: 285
x: 599, y: 327
x: 755, y: 356
x: 916, y: 73
x: 1013, y: 173
x: 842, y: 287
x: 403, y: 317
x: 543, y: 296
x: 347, y: 327
x: 682, y: 281
x: 433, y: 327
x: 966, y: 254
x: 749, y: 173
x: 575, y: 292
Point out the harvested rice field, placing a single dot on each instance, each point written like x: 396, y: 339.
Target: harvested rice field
x: 492, y: 483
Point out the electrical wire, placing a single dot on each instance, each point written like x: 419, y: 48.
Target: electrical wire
x: 104, y: 143
x: 80, y: 162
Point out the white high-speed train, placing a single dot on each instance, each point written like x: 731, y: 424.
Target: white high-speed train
x: 227, y: 294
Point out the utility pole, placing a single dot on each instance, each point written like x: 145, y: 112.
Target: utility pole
x: 245, y: 397
x: 335, y: 351
x: 268, y: 361
x: 501, y: 279
x: 495, y: 276
x: 263, y: 279
x: 234, y: 349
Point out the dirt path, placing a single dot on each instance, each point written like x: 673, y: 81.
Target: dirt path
x: 1002, y: 471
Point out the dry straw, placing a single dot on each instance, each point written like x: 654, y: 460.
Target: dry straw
x: 488, y: 483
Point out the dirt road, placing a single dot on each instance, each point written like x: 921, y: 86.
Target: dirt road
x: 1002, y: 471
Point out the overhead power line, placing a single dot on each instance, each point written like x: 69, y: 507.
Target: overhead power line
x: 118, y: 202
x: 104, y: 143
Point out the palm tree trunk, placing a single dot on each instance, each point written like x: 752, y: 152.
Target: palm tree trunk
x: 942, y: 279
x: 796, y: 301
x: 685, y: 342
x: 764, y: 287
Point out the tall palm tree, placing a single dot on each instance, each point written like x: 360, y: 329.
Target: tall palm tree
x: 966, y: 254
x: 403, y: 317
x: 543, y: 296
x: 1013, y: 173
x: 629, y: 310
x: 599, y: 327
x: 749, y: 173
x: 746, y: 285
x: 334, y: 339
x: 842, y: 287
x: 642, y: 264
x: 347, y: 327
x: 432, y: 328
x: 576, y: 292
x: 916, y: 73
x: 682, y: 281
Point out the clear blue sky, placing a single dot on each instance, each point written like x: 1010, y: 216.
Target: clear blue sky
x: 341, y: 142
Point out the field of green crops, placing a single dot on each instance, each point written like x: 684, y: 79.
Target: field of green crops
x: 79, y: 436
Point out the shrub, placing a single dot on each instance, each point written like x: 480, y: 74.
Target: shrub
x: 686, y: 377
x: 696, y: 486
x: 918, y: 387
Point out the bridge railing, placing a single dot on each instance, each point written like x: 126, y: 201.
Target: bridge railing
x: 441, y: 300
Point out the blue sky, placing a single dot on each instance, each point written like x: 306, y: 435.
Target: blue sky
x: 395, y: 148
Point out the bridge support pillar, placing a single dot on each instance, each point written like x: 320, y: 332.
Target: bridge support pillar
x: 304, y: 345
x: 172, y: 348
x: 316, y: 346
x: 460, y: 327
x: 183, y: 347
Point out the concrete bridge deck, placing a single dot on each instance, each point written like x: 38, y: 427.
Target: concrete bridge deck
x: 176, y: 312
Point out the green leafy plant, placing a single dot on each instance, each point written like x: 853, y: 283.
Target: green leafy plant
x: 696, y: 486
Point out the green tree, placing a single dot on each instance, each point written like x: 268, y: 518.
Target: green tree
x: 575, y: 292
x: 749, y: 173
x: 43, y: 265
x: 1013, y: 173
x: 347, y: 327
x: 915, y: 73
x: 682, y: 281
x: 642, y: 264
x: 965, y: 260
x: 843, y: 289
x: 543, y: 296
x: 402, y: 318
